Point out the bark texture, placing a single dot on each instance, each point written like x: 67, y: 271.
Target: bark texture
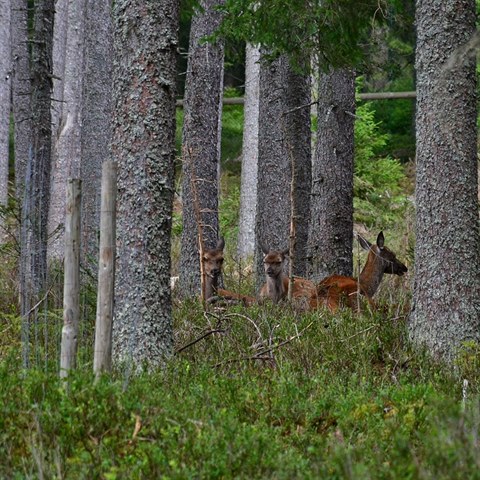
x: 283, y: 137
x: 5, y: 84
x: 446, y: 303
x: 60, y: 28
x: 248, y: 189
x: 34, y: 217
x: 201, y: 144
x: 96, y: 118
x: 67, y: 152
x: 145, y: 41
x: 331, y: 221
x: 21, y: 89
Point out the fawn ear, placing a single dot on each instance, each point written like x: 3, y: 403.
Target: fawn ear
x: 263, y: 247
x: 364, y: 243
x: 220, y: 244
x: 380, y: 240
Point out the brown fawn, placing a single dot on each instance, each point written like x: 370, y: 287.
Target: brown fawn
x: 333, y: 290
x: 276, y: 286
x: 212, y: 266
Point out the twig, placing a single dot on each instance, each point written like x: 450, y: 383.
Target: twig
x: 288, y: 340
x: 358, y: 333
x: 206, y: 334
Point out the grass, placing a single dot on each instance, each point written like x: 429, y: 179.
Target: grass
x: 332, y: 397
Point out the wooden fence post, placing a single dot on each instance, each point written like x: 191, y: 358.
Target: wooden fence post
x: 102, y: 360
x: 71, y: 285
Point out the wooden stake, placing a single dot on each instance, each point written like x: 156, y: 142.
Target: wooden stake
x: 102, y: 360
x: 71, y: 285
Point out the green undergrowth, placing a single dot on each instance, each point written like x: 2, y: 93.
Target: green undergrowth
x: 263, y: 392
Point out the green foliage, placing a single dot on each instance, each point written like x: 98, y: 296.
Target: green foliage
x: 379, y: 193
x: 272, y: 394
x: 331, y: 30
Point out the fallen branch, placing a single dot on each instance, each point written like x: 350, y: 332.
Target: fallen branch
x: 206, y: 334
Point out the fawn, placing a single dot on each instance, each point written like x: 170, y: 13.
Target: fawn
x: 212, y: 266
x: 276, y: 286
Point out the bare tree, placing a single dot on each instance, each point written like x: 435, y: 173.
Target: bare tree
x: 446, y: 300
x: 248, y: 193
x: 67, y: 143
x: 5, y: 85
x: 145, y: 41
x: 331, y: 218
x: 201, y: 144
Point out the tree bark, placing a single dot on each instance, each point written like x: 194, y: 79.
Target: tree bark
x: 446, y: 299
x: 60, y: 29
x: 145, y: 41
x: 248, y: 189
x: 5, y: 85
x: 201, y: 144
x: 21, y: 90
x: 284, y: 136
x: 67, y: 148
x: 331, y: 220
x: 96, y: 118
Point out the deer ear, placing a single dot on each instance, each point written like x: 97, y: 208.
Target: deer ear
x: 380, y: 240
x: 365, y: 244
x: 220, y: 244
x: 263, y: 247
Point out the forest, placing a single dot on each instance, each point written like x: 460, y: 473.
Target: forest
x: 239, y: 239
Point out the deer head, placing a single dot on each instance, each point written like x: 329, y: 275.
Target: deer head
x: 273, y: 260
x: 213, y: 260
x: 381, y: 256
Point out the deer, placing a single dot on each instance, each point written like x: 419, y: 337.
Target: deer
x: 333, y: 289
x: 276, y: 285
x: 212, y: 266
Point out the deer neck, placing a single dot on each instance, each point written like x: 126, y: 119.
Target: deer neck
x: 276, y: 287
x: 211, y: 286
x: 372, y: 274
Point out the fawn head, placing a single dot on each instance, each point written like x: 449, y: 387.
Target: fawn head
x: 380, y: 254
x: 213, y: 260
x: 273, y: 260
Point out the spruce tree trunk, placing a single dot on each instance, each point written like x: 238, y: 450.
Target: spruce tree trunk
x: 60, y: 28
x: 284, y: 135
x: 5, y: 85
x: 201, y: 144
x: 21, y: 89
x: 331, y: 221
x: 37, y: 182
x: 446, y: 302
x: 36, y: 190
x: 145, y: 41
x: 248, y: 193
x: 96, y: 118
x: 67, y: 147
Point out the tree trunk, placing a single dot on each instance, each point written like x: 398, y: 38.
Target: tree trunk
x: 34, y: 217
x: 331, y: 221
x: 145, y: 41
x: 248, y: 193
x: 21, y: 89
x: 284, y: 136
x: 96, y: 117
x: 5, y: 84
x: 201, y: 144
x: 446, y: 302
x: 60, y: 28
x: 67, y: 147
